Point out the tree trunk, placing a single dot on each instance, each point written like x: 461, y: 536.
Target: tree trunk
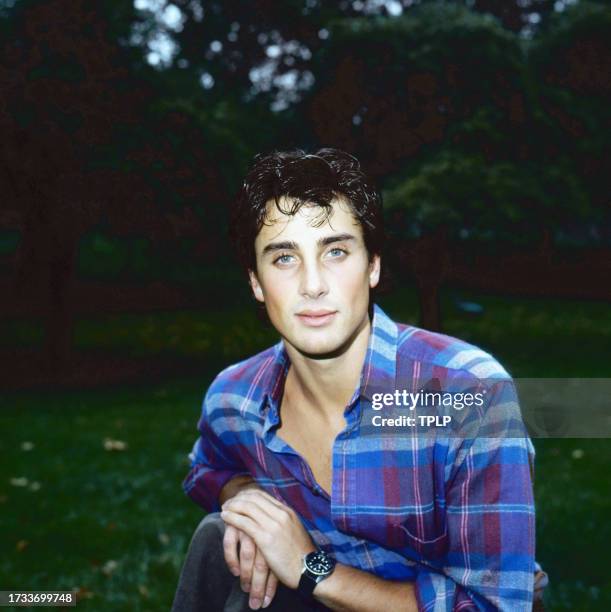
x: 45, y: 272
x: 59, y: 319
x: 430, y: 261
x: 545, y: 249
x: 430, y: 308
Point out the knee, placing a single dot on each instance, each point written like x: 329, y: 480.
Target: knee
x: 207, y: 539
x: 210, y: 528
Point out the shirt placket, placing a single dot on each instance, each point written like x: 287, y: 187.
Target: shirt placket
x: 294, y: 462
x: 343, y: 483
x: 343, y: 472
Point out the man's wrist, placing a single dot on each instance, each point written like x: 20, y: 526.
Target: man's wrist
x: 349, y: 588
x: 324, y: 587
x: 236, y: 484
x: 316, y: 567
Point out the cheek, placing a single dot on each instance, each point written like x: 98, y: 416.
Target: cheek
x: 352, y: 281
x: 278, y: 288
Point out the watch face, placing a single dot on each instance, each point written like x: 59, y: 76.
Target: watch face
x: 319, y: 563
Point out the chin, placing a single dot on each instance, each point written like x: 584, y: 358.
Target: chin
x: 320, y: 353
x: 320, y: 348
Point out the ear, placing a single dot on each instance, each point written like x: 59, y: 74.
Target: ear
x: 374, y: 271
x: 255, y: 286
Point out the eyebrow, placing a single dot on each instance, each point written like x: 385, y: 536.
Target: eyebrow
x: 289, y: 245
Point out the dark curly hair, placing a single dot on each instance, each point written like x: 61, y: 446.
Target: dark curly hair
x: 315, y: 178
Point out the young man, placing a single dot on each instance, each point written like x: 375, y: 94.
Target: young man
x: 325, y: 502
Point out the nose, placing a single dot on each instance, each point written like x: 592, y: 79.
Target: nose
x: 313, y: 282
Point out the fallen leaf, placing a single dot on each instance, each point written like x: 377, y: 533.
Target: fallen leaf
x: 27, y: 445
x: 143, y: 590
x: 82, y: 593
x: 109, y: 567
x: 112, y: 445
x: 164, y: 538
x: 21, y: 545
x: 19, y: 482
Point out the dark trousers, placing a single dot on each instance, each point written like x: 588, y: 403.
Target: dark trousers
x: 207, y: 585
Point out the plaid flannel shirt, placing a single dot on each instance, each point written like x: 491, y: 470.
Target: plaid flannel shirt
x: 454, y: 514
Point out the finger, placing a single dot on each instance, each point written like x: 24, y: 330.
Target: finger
x: 260, y: 570
x: 247, y: 559
x: 260, y: 494
x: 259, y: 509
x: 230, y: 549
x: 270, y: 589
x: 266, y: 524
x: 240, y: 521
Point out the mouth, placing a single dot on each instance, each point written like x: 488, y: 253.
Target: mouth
x: 316, y: 318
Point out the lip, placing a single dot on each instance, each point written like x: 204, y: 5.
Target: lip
x: 316, y: 318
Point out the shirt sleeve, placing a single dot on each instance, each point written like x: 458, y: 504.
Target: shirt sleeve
x: 489, y: 558
x: 212, y: 462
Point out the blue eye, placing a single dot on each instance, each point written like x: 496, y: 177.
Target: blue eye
x: 283, y: 259
x: 337, y: 252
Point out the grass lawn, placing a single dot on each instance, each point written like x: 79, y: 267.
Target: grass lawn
x: 112, y: 522
x: 115, y: 523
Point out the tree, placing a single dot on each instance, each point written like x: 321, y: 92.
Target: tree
x: 422, y: 87
x: 262, y: 50
x: 570, y: 67
x: 457, y: 195
x: 83, y: 144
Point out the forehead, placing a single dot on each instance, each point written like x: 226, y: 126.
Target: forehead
x: 310, y: 219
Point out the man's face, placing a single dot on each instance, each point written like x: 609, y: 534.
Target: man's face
x: 314, y: 277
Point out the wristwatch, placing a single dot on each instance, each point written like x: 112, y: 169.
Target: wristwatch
x: 317, y: 566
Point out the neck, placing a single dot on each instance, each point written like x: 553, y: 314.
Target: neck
x: 324, y: 386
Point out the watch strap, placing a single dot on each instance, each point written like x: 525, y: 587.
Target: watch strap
x: 307, y: 583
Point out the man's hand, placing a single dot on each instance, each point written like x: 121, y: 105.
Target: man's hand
x: 276, y: 530
x: 281, y: 538
x: 246, y: 561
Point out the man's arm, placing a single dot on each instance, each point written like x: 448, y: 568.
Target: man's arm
x: 283, y: 541
x: 354, y: 590
x: 214, y: 462
x: 216, y: 476
x: 489, y: 560
x: 238, y: 483
x: 242, y: 556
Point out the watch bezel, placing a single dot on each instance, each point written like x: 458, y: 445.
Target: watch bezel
x: 319, y: 555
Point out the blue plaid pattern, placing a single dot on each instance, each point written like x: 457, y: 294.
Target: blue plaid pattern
x: 454, y: 514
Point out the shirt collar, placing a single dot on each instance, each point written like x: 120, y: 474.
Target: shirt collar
x: 378, y: 372
x: 380, y: 366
